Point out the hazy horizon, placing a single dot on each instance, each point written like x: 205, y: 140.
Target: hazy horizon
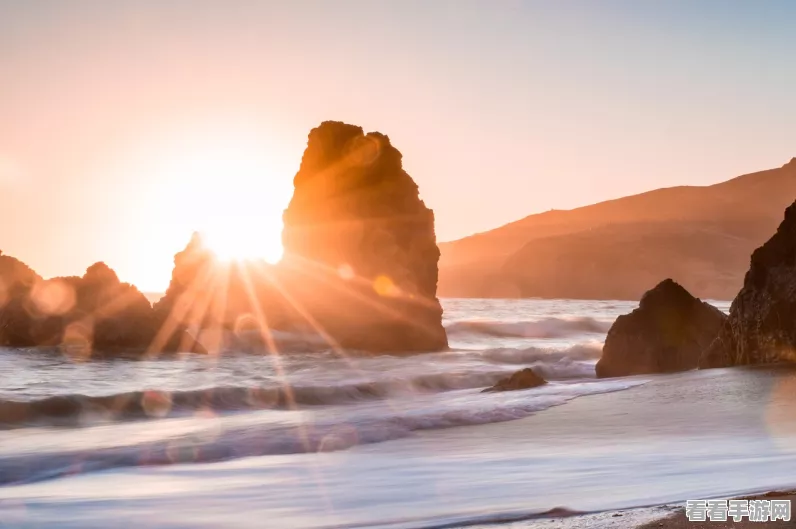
x: 126, y: 126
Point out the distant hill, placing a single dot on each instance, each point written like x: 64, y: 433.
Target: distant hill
x: 701, y: 236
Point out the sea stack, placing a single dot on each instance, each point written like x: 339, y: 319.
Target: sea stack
x: 761, y: 328
x: 666, y: 333
x: 360, y: 245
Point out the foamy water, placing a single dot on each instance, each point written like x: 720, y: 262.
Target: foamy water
x: 312, y: 439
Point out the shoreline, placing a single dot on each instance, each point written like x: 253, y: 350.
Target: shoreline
x: 649, y: 413
x: 665, y: 516
x: 678, y: 520
x: 613, y: 460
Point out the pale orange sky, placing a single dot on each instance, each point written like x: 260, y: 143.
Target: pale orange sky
x: 126, y: 125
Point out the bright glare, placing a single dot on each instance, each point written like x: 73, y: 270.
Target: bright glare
x: 229, y: 183
x: 229, y: 243
x: 228, y: 189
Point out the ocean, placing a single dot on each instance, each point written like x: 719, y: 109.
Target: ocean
x: 317, y: 438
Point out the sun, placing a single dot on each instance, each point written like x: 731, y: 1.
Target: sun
x: 227, y: 191
x: 231, y: 241
x: 229, y: 183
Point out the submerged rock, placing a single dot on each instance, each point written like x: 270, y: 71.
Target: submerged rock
x: 666, y: 333
x: 761, y: 327
x: 360, y: 246
x: 523, y: 379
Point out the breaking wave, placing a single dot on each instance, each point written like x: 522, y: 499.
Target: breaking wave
x: 233, y: 437
x: 486, y: 368
x: 545, y: 328
x: 577, y: 361
x: 70, y: 410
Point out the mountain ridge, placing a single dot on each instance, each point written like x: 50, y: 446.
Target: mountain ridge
x: 731, y: 217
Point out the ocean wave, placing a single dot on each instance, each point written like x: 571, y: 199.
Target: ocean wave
x: 233, y: 437
x: 483, y: 369
x: 71, y: 410
x: 252, y: 341
x: 545, y: 328
x: 577, y: 361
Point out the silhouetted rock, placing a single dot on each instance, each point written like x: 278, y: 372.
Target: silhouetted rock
x: 118, y: 315
x: 666, y: 333
x: 523, y: 379
x: 187, y: 301
x: 93, y: 315
x: 189, y: 277
x: 761, y: 327
x: 360, y: 270
x: 15, y: 274
x: 360, y: 244
x: 208, y: 301
x: 16, y: 321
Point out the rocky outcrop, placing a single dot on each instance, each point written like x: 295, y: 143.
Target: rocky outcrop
x: 360, y: 246
x: 360, y: 271
x: 186, y: 305
x: 117, y: 316
x: 89, y: 316
x: 761, y: 328
x: 667, y: 333
x: 523, y: 379
x: 17, y: 324
x: 189, y: 279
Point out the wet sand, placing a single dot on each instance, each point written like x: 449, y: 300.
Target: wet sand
x: 678, y: 519
x: 687, y: 409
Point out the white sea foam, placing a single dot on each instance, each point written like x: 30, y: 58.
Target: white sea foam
x: 198, y: 439
x: 309, y: 438
x: 552, y: 327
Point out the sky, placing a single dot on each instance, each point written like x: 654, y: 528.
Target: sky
x: 126, y: 125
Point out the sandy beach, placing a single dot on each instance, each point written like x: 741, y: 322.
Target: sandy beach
x: 668, y: 410
x: 612, y: 460
x: 678, y: 519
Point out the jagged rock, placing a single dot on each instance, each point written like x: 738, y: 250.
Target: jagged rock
x: 523, y: 379
x: 118, y: 315
x: 189, y: 278
x: 95, y: 315
x: 208, y: 301
x: 761, y: 328
x: 186, y: 303
x: 666, y: 333
x: 360, y: 245
x: 15, y: 274
x: 16, y: 321
x: 360, y: 270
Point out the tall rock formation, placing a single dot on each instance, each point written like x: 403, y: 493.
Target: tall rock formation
x: 761, y: 328
x: 666, y: 333
x: 360, y: 247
